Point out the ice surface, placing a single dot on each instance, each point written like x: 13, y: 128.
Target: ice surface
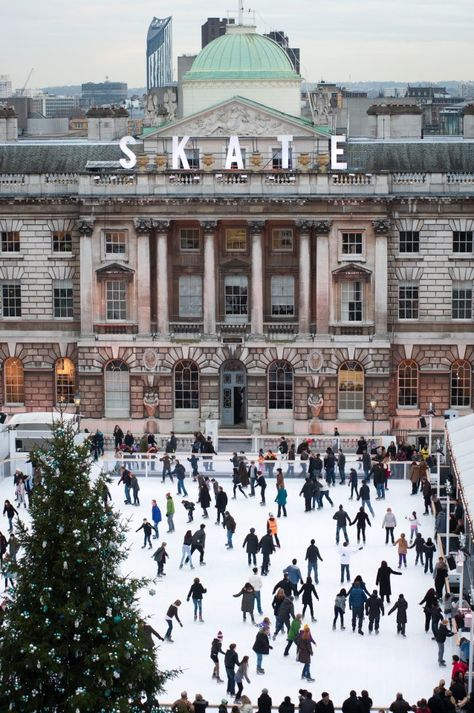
x: 343, y: 660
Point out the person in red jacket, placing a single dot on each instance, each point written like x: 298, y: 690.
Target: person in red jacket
x: 458, y: 666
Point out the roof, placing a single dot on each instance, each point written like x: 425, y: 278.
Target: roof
x: 241, y: 54
x: 37, y: 417
x: 417, y: 156
x: 54, y: 157
x: 460, y: 432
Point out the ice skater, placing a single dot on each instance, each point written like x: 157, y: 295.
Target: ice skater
x: 196, y: 593
x: 147, y: 530
x: 171, y: 614
x: 400, y: 606
x: 216, y: 651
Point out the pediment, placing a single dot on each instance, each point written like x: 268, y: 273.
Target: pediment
x: 241, y: 117
x: 115, y: 269
x: 352, y: 271
x: 235, y: 264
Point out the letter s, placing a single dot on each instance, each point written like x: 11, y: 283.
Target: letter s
x: 131, y: 161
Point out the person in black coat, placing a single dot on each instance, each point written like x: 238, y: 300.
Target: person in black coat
x: 361, y: 520
x: 307, y: 492
x: 198, y: 543
x: 204, y: 499
x: 262, y: 648
x: 325, y: 705
x: 430, y: 600
x: 400, y: 606
x: 147, y: 530
x: 284, y: 584
x: 418, y: 544
x: 429, y: 548
x: 286, y: 706
x: 267, y: 548
x: 231, y: 660
x: 365, y: 701
x: 374, y: 608
x: 221, y: 505
x: 196, y: 592
x: 383, y: 580
x: 308, y: 592
x: 264, y: 702
x: 351, y: 704
x: 251, y: 543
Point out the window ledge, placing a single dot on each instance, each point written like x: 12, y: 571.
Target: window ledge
x: 61, y: 256
x: 12, y: 256
x: 352, y: 258
x: 461, y: 256
x: 409, y: 256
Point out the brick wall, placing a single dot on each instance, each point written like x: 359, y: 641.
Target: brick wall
x: 136, y: 396
x: 39, y: 390
x: 165, y: 392
x: 92, y: 395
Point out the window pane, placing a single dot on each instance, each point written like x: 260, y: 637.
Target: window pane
x: 462, y: 241
x: 116, y: 300
x: 352, y: 243
x: 277, y: 159
x: 408, y: 384
x: 62, y: 242
x: 11, y: 299
x: 283, y: 296
x: 351, y: 301
x: 282, y: 239
x: 62, y: 299
x: 117, y: 389
x: 280, y: 385
x: 351, y: 387
x: 186, y: 385
x: 190, y: 296
x: 189, y: 238
x: 462, y: 303
x: 409, y: 241
x: 236, y: 295
x: 408, y: 302
x: 115, y: 242
x: 14, y: 381
x: 65, y: 381
x: 10, y: 241
x: 461, y: 376
x: 236, y: 239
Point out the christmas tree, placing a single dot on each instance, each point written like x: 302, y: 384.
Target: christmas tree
x: 73, y: 640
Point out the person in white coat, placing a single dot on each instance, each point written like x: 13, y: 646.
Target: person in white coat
x: 390, y: 523
x: 345, y: 554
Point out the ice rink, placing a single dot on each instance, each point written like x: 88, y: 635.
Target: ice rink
x: 342, y: 660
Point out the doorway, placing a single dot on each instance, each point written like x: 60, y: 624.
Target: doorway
x: 233, y: 394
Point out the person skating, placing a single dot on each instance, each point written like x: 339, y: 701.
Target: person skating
x: 414, y: 525
x: 440, y: 576
x: 189, y: 507
x: 148, y: 633
x: 345, y: 554
x: 180, y: 472
x: 364, y: 496
x: 361, y: 520
x: 272, y: 526
x: 251, y: 545
x: 389, y: 522
x: 441, y: 636
x: 308, y: 591
x: 156, y: 518
x: 341, y: 518
x: 147, y: 530
x: 324, y: 493
x: 261, y: 648
x: 196, y: 593
x: 230, y: 527
x: 286, y: 612
x: 186, y: 554
x: 357, y: 599
x: 353, y: 483
x: 241, y: 675
x: 383, y: 580
x: 400, y: 606
x: 312, y: 557
x: 418, y: 544
x: 231, y: 660
x: 284, y: 584
x: 294, y: 575
x: 236, y: 484
x: 216, y: 651
x: 160, y: 557
x: 427, y: 491
x: 429, y: 548
x: 281, y: 500
x: 198, y: 543
x: 307, y: 493
x: 305, y: 651
x: 341, y: 466
x: 248, y: 601
x: 374, y: 609
x: 125, y: 478
x: 267, y: 548
x: 402, y: 545
x: 204, y: 499
x: 221, y: 505
x: 257, y: 584
x: 262, y: 484
x: 171, y: 614
x: 170, y: 510
x: 293, y: 632
x: 135, y: 486
x: 339, y: 609
x: 379, y: 474
x: 166, y: 460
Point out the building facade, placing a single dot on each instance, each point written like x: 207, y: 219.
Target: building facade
x: 242, y: 278
x: 159, y: 58
x: 100, y: 93
x: 213, y: 28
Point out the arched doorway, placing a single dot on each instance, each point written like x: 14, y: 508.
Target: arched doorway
x: 117, y: 390
x: 233, y: 394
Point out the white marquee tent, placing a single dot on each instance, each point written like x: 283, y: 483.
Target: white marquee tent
x: 460, y: 439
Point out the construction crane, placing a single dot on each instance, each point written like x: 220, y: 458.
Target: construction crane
x: 22, y: 92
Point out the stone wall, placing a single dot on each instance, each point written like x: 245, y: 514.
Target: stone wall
x: 256, y: 400
x: 136, y: 396
x: 39, y: 390
x: 92, y: 395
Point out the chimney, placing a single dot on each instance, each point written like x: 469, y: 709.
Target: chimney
x: 395, y: 121
x: 106, y: 123
x: 468, y: 121
x: 8, y: 124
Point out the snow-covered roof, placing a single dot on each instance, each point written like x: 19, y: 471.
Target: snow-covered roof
x: 38, y: 417
x: 460, y: 434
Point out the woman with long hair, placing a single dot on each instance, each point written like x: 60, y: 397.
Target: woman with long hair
x: 305, y: 651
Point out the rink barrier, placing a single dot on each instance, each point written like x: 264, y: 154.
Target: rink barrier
x: 167, y: 707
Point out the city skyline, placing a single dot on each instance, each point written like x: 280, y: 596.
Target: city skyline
x: 399, y: 42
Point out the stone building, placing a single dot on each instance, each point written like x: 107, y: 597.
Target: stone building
x: 238, y: 275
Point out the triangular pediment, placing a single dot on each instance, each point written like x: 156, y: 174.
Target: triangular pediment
x: 235, y: 264
x: 351, y: 270
x: 115, y: 268
x: 241, y: 117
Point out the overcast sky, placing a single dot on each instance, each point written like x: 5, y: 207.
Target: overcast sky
x: 72, y: 42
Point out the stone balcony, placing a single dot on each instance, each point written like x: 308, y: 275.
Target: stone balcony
x: 115, y: 328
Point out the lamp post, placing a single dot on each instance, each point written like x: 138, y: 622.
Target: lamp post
x: 373, y: 406
x: 448, y: 493
x: 77, y: 404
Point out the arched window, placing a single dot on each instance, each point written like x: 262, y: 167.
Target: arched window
x: 461, y: 384
x: 350, y: 387
x: 408, y: 383
x: 186, y: 385
x: 14, y: 380
x: 65, y: 373
x: 117, y: 390
x: 280, y: 385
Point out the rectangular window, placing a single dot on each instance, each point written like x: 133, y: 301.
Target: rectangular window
x: 190, y: 296
x: 282, y: 239
x: 10, y: 241
x: 462, y: 241
x: 236, y: 298
x: 283, y: 296
x: 116, y: 298
x: 11, y: 299
x: 277, y: 159
x: 115, y: 242
x: 62, y: 242
x: 409, y: 241
x: 352, y: 243
x: 189, y: 239
x: 62, y: 299
x: 351, y: 301
x: 462, y: 301
x: 236, y: 239
x: 408, y: 302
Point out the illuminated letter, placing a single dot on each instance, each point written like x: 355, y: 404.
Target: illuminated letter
x: 285, y: 141
x: 234, y: 154
x: 335, y: 152
x: 131, y: 161
x: 178, y: 153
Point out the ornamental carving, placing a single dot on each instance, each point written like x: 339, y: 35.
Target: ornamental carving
x: 85, y: 226
x: 256, y: 227
x: 143, y: 226
x: 209, y: 226
x: 381, y: 227
x: 304, y: 226
x: 161, y: 225
x: 315, y: 360
x: 236, y: 119
x: 150, y: 359
x: 322, y: 227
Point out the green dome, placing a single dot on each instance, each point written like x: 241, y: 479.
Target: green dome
x: 241, y: 54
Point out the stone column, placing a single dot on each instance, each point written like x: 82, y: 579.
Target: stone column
x: 85, y: 227
x: 380, y: 288
x: 322, y: 230
x: 209, y: 229
x: 304, y: 286
x: 161, y: 228
x: 256, y: 307
x: 143, y: 229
